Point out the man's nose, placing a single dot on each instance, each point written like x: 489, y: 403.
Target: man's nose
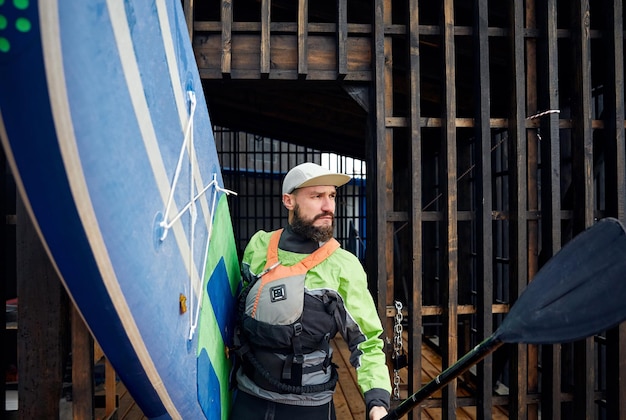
x: 327, y: 204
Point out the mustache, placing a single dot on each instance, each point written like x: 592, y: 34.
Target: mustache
x: 324, y: 214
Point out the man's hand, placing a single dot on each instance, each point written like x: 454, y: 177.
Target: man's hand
x: 377, y: 413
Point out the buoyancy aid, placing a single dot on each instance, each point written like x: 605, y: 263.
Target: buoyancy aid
x: 284, y: 332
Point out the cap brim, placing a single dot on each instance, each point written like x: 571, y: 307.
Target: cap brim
x: 329, y: 179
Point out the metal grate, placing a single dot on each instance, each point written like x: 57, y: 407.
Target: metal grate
x: 254, y: 167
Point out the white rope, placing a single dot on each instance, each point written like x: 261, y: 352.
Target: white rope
x: 186, y: 143
x: 541, y: 114
x: 191, y: 207
x: 192, y: 211
x: 194, y: 322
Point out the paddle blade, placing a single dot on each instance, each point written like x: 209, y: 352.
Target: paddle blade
x: 581, y: 291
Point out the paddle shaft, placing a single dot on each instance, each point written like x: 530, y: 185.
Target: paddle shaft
x: 479, y: 352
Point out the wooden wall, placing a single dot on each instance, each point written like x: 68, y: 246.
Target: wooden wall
x: 495, y: 135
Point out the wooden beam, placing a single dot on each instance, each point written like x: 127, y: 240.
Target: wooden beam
x: 266, y: 19
x: 342, y: 38
x: 303, y: 38
x: 450, y: 226
x: 7, y: 262
x: 532, y: 190
x: 388, y: 107
x: 247, y: 50
x: 583, y: 187
x: 42, y: 314
x: 551, y: 189
x: 382, y: 163
x: 616, y: 190
x: 226, y: 38
x: 483, y: 205
x: 188, y: 8
x: 82, y: 368
x: 415, y: 315
x: 518, y: 241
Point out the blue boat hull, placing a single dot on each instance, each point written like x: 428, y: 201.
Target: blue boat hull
x: 105, y: 125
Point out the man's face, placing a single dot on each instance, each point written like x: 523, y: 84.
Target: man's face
x: 313, y: 211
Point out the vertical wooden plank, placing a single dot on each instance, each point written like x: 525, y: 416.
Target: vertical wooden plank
x: 548, y: 130
x: 303, y: 40
x: 533, y: 189
x: 484, y: 206
x: 387, y: 95
x: 613, y: 37
x: 384, y: 161
x: 110, y: 386
x: 382, y: 164
x: 7, y: 264
x: 82, y: 368
x: 342, y: 38
x: 616, y: 190
x: 616, y: 374
x: 449, y: 164
x: 518, y: 241
x: 582, y: 152
x: 188, y: 8
x: 266, y: 20
x: 41, y: 313
x: 415, y: 315
x: 581, y: 118
x: 227, y: 25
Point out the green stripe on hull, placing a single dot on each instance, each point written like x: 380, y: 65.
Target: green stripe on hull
x: 217, y: 312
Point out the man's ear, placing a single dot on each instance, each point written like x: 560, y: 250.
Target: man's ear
x: 289, y: 201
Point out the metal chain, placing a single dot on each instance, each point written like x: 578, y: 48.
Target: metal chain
x: 397, y: 348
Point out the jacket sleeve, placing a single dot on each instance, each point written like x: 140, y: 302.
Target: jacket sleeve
x: 362, y: 332
x: 254, y: 256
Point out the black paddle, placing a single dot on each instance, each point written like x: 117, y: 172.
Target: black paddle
x: 579, y: 292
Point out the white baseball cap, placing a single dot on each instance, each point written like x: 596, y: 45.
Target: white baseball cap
x: 310, y: 174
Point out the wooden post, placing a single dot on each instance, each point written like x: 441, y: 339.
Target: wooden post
x: 518, y: 205
x: 450, y: 289
x: 42, y: 311
x: 82, y: 368
x: 484, y: 207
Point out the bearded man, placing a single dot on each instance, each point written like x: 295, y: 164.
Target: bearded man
x: 301, y: 289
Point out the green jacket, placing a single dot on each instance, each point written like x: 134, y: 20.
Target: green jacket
x: 341, y: 274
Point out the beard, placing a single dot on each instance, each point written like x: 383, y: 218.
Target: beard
x: 308, y: 230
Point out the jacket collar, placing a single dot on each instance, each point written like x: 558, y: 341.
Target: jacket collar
x: 293, y: 242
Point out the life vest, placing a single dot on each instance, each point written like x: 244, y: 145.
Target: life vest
x: 283, y: 335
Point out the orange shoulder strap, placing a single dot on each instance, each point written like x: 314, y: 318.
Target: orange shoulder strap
x: 272, y: 248
x: 307, y: 262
